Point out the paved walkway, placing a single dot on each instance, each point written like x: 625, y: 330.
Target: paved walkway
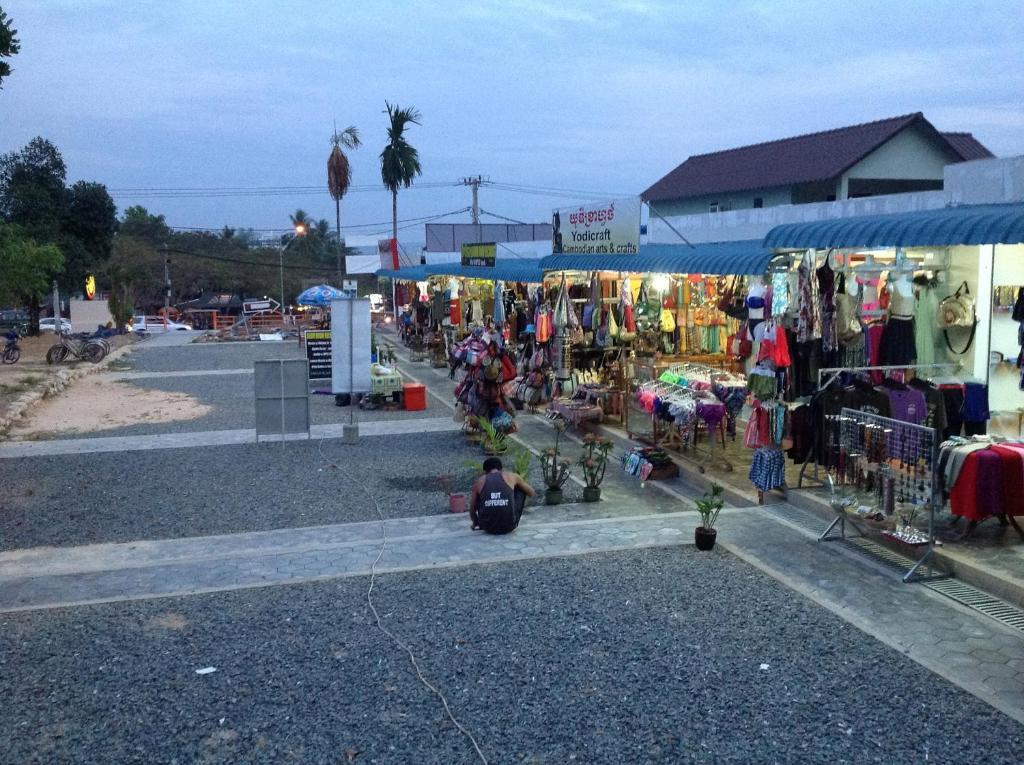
x: 15, y: 449
x: 977, y: 653
x: 183, y: 373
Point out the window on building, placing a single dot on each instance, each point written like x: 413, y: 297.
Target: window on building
x: 713, y: 207
x: 758, y: 202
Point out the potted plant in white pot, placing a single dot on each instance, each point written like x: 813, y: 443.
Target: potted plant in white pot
x: 594, y: 460
x: 709, y: 506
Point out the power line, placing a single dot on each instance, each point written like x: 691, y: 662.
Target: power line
x: 286, y: 229
x: 264, y: 191
x: 503, y: 217
x: 249, y: 263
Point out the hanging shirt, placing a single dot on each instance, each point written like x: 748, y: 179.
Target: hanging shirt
x: 908, y: 405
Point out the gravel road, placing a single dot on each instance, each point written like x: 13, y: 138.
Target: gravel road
x: 657, y: 656
x: 164, y: 493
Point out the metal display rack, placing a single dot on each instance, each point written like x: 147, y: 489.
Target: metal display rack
x: 833, y: 374
x: 889, y: 457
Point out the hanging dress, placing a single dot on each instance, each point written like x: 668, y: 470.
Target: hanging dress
x: 925, y: 310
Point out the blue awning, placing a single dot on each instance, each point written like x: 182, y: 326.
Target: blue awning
x: 747, y: 256
x: 972, y: 224
x: 509, y: 270
x: 406, y: 273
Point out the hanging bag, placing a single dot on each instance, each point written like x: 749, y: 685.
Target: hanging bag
x: 667, y: 321
x: 957, y: 310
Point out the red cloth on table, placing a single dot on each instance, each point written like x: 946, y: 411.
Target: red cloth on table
x: 963, y: 499
x: 1013, y: 478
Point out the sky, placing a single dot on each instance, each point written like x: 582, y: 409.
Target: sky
x: 595, y: 99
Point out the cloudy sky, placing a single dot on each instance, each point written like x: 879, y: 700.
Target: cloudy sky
x: 599, y: 98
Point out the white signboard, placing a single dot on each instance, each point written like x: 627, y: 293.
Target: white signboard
x: 350, y: 345
x: 350, y: 285
x: 598, y: 228
x: 259, y: 306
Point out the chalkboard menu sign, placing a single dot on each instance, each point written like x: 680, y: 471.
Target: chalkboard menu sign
x: 318, y: 352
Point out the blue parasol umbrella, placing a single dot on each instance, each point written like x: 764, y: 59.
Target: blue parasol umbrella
x: 321, y: 295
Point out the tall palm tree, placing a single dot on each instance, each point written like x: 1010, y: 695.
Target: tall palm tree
x: 339, y: 175
x: 304, y: 242
x: 399, y: 161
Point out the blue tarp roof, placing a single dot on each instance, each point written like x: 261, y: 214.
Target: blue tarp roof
x: 747, y: 256
x: 971, y: 224
x: 406, y: 273
x: 509, y: 270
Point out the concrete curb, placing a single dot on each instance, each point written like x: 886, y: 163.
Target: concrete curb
x: 54, y: 385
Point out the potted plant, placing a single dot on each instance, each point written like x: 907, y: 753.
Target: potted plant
x: 555, y: 469
x: 494, y: 441
x: 594, y: 460
x: 456, y: 499
x: 709, y: 506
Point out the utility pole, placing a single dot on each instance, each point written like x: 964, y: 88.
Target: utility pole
x: 474, y: 181
x: 167, y: 286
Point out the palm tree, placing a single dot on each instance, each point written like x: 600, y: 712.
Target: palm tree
x: 303, y: 242
x: 399, y: 162
x: 339, y: 175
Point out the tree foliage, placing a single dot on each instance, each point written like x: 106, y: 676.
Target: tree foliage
x: 80, y: 220
x: 26, y: 268
x: 9, y: 45
x: 203, y: 263
x: 399, y: 161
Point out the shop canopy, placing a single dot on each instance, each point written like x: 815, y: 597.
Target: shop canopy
x: 509, y: 270
x: 972, y: 224
x: 406, y: 273
x: 740, y: 257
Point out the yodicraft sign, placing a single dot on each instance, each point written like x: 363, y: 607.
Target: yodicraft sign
x: 481, y: 254
x: 598, y: 229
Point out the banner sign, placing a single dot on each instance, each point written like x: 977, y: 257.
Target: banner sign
x: 318, y: 353
x: 388, y: 251
x: 599, y: 228
x: 482, y: 254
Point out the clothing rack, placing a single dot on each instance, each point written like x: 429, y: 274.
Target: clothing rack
x: 693, y: 453
x: 835, y: 372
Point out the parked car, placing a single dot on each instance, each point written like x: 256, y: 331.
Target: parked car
x: 50, y: 325
x: 157, y: 324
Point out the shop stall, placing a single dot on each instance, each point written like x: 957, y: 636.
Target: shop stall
x: 896, y: 328
x: 666, y: 334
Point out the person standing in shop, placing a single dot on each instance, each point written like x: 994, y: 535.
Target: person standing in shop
x: 497, y: 500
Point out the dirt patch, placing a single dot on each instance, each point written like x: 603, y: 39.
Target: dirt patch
x: 92, y: 404
x: 169, y: 621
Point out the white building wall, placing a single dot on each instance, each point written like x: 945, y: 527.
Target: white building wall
x: 907, y: 155
x: 978, y: 182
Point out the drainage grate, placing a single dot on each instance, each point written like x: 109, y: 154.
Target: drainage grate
x: 979, y: 601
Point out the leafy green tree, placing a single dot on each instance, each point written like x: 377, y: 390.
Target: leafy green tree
x: 9, y: 45
x: 32, y: 192
x: 339, y: 177
x: 139, y: 223
x: 26, y: 270
x: 80, y: 220
x: 399, y: 161
x: 87, y: 237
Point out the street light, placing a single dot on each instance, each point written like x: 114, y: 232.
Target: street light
x: 300, y: 230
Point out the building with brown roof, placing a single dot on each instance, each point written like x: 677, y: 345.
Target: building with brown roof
x: 890, y: 156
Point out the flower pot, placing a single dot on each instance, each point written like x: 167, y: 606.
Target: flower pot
x: 591, y: 493
x: 492, y: 451
x: 704, y: 538
x: 553, y: 497
x: 457, y: 503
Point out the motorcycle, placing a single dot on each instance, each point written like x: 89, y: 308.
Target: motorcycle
x: 12, y: 351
